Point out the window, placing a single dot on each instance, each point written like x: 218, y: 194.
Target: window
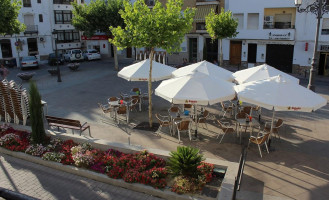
x: 239, y: 17
x: 201, y: 26
x: 63, y: 1
x: 40, y: 18
x: 325, y: 26
x: 253, y: 21
x: 39, y: 1
x: 282, y: 21
x: 63, y: 16
x: 26, y: 3
x: 68, y: 36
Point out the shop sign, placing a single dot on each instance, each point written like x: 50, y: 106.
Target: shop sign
x: 279, y: 36
x: 95, y: 37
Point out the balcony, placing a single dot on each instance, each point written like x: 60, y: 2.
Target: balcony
x: 207, y: 2
x: 30, y: 29
x: 278, y: 25
x: 68, y: 2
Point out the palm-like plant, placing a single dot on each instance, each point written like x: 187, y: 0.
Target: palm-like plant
x: 185, y: 161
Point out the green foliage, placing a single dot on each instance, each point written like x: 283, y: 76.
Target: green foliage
x: 9, y: 23
x: 222, y: 25
x: 38, y: 131
x: 162, y: 27
x: 185, y: 161
x: 97, y: 16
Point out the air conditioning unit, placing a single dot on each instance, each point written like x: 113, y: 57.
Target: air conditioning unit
x: 42, y: 39
x: 268, y: 19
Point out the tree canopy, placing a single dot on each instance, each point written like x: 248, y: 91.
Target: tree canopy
x: 9, y: 23
x: 222, y: 25
x: 99, y: 15
x: 162, y: 27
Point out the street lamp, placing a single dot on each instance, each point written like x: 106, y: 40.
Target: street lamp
x: 55, y: 35
x: 319, y: 7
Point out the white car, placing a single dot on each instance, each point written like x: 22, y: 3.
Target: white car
x: 91, y: 54
x: 73, y: 55
x: 29, y: 61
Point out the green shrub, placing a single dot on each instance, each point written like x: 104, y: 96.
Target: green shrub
x: 38, y: 130
x: 185, y: 161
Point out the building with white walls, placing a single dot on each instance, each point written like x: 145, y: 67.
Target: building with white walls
x: 41, y: 18
x: 273, y: 32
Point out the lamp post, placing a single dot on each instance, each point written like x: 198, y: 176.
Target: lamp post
x: 319, y: 7
x: 55, y: 35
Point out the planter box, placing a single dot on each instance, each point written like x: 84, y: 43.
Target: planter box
x: 227, y: 185
x: 74, y: 67
x: 25, y: 76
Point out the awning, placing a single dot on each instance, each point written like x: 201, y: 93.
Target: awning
x: 203, y: 11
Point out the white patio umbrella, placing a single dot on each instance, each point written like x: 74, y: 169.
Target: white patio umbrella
x: 279, y: 94
x: 259, y: 73
x: 207, y: 68
x: 140, y: 71
x: 195, y: 88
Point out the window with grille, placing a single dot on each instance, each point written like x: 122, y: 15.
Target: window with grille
x: 325, y: 26
x: 68, y: 36
x: 40, y: 18
x: 27, y: 3
x: 63, y: 16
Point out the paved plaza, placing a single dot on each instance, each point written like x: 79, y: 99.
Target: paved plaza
x: 297, y: 168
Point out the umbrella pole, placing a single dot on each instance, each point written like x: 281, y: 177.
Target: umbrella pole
x: 272, y: 123
x: 196, y: 122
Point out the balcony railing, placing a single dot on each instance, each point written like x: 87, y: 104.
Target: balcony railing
x: 63, y: 1
x: 206, y: 0
x: 31, y: 29
x: 278, y: 25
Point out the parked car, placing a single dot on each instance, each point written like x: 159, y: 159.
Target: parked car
x: 91, y: 54
x: 52, y: 59
x: 73, y: 55
x: 29, y: 62
x: 8, y: 62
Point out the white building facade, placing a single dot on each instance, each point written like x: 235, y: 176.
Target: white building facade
x: 273, y: 32
x: 41, y: 18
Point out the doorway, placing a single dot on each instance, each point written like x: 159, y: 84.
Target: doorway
x: 32, y: 46
x: 129, y: 52
x: 193, y: 50
x: 252, y: 52
x: 235, y: 52
x: 324, y: 64
x: 6, y: 48
x: 280, y: 56
x: 212, y: 50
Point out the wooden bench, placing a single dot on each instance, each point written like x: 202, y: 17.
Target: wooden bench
x: 67, y: 123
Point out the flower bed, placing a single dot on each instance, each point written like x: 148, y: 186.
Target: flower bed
x: 142, y: 167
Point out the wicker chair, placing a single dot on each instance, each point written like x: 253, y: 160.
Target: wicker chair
x: 261, y: 139
x: 275, y: 129
x: 226, y: 109
x: 183, y: 125
x: 225, y: 127
x: 164, y: 121
x: 203, y: 119
x: 122, y: 110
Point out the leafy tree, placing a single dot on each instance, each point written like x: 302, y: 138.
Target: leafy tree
x: 162, y: 27
x: 38, y: 130
x: 99, y: 15
x: 220, y: 26
x: 9, y: 23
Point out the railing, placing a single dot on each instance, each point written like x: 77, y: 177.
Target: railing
x: 278, y: 25
x: 238, y: 178
x: 31, y: 29
x: 159, y: 56
x: 206, y: 0
x: 63, y: 1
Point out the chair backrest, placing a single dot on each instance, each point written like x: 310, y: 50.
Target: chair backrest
x: 279, y: 123
x: 247, y: 109
x: 263, y: 138
x: 187, y: 106
x: 174, y: 109
x: 222, y: 104
x: 205, y: 113
x: 135, y: 89
x: 158, y: 118
x: 136, y: 97
x: 122, y: 110
x: 113, y: 99
x: 184, y: 125
x: 241, y: 115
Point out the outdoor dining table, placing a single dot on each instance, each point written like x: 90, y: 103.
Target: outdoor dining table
x: 174, y: 117
x: 244, y: 123
x: 116, y: 104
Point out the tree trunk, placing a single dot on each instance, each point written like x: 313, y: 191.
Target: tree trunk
x: 115, y: 52
x: 150, y: 87
x: 221, y: 53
